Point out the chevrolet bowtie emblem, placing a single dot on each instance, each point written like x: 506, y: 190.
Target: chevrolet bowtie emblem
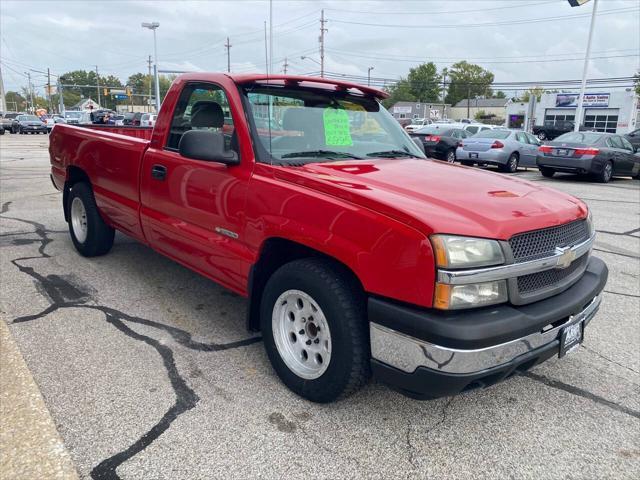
x: 567, y: 256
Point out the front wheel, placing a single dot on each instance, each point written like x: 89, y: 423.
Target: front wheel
x: 90, y: 234
x: 313, y: 323
x: 541, y: 136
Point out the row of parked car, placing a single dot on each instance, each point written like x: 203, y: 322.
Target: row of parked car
x: 25, y: 123
x: 600, y: 155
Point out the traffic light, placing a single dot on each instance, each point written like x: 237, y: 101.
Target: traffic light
x: 128, y: 91
x: 106, y: 92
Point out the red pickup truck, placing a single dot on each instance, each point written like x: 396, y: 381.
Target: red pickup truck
x: 357, y: 254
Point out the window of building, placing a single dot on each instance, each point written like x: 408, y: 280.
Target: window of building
x: 601, y: 123
x: 552, y: 119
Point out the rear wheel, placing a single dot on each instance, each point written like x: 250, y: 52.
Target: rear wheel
x: 606, y: 173
x: 90, y: 234
x: 541, y: 136
x: 312, y: 318
x: 547, y: 172
x: 512, y: 164
x: 450, y: 156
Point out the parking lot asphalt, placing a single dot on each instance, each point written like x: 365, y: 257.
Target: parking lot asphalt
x: 148, y: 372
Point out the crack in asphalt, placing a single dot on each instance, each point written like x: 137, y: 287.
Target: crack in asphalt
x: 610, y: 360
x: 623, y: 294
x: 580, y: 392
x: 63, y: 294
x: 617, y: 253
x: 621, y: 234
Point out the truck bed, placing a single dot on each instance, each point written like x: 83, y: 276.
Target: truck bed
x: 111, y: 157
x: 128, y: 130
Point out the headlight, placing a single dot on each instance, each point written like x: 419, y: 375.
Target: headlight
x: 466, y: 252
x: 590, y: 226
x: 452, y: 297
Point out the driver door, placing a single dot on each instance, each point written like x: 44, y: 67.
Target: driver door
x: 193, y: 210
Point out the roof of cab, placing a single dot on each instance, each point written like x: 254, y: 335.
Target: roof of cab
x: 244, y: 78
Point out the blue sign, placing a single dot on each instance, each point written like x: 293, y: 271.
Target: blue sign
x: 120, y: 96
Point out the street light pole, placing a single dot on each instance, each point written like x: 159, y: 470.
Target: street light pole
x: 369, y: 76
x: 153, y: 26
x: 585, y: 68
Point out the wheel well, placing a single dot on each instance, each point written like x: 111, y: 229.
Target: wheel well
x: 276, y: 252
x: 74, y: 175
x: 516, y: 153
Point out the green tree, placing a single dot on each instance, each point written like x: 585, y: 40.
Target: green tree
x: 537, y: 91
x: 15, y: 101
x: 424, y: 82
x: 499, y: 94
x: 399, y: 92
x: 467, y: 80
x: 636, y: 82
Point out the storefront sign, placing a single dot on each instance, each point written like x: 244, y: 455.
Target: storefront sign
x: 570, y: 100
x: 401, y: 109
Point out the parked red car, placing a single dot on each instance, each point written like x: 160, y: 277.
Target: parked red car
x: 356, y: 253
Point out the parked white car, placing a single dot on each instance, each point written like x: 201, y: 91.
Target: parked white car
x: 417, y: 124
x: 148, y: 120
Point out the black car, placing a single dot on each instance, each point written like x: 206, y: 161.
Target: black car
x: 28, y: 124
x: 601, y: 155
x: 634, y: 138
x: 552, y: 129
x: 440, y: 141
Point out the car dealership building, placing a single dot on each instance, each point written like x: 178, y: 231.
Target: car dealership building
x: 613, y: 112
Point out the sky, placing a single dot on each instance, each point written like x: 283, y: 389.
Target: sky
x: 518, y: 40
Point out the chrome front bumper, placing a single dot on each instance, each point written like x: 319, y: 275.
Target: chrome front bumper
x: 407, y: 353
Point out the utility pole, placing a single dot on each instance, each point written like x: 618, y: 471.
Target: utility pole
x: 60, y: 97
x: 49, y: 90
x: 29, y: 93
x: 228, y: 47
x: 271, y: 35
x: 468, y: 100
x: 285, y: 66
x: 321, y: 39
x: 369, y: 76
x: 266, y: 49
x: 444, y: 84
x: 150, y: 87
x: 98, y: 85
x: 578, y: 118
x: 3, y: 99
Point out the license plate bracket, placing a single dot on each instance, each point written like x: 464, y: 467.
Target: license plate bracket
x: 561, y: 152
x: 571, y: 337
x: 473, y: 155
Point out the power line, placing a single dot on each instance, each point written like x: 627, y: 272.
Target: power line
x: 489, y: 24
x: 391, y: 12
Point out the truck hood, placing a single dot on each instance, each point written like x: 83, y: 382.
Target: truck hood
x: 436, y: 197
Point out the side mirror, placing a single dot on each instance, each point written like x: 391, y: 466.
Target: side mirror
x: 419, y: 143
x: 206, y: 145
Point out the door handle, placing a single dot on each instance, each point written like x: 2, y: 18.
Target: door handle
x: 158, y: 172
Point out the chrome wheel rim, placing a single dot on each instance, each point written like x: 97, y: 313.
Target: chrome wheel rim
x: 513, y: 164
x: 79, y: 220
x: 451, y: 157
x: 301, y: 334
x: 607, y: 171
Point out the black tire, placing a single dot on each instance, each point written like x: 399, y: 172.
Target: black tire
x: 547, y: 172
x: 467, y: 163
x: 512, y: 164
x: 343, y: 304
x: 99, y: 236
x: 606, y: 173
x: 450, y: 156
x: 541, y: 136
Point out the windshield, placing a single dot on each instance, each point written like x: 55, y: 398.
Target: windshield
x: 315, y: 124
x: 502, y: 134
x: 72, y: 114
x: 579, y: 137
x: 29, y: 118
x: 435, y: 129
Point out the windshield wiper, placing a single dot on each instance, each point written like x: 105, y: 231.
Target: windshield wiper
x: 392, y: 154
x: 321, y: 153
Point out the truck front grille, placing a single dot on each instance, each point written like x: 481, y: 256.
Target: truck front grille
x: 542, y: 243
x: 536, y: 282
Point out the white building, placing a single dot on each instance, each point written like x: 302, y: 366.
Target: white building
x: 614, y: 112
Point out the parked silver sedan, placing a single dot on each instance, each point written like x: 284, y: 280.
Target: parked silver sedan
x: 507, y: 149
